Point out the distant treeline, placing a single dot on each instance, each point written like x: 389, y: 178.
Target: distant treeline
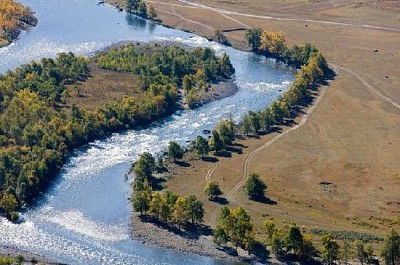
x: 37, y: 131
x: 12, y: 18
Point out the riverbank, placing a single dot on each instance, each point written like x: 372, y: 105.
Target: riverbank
x: 335, y: 145
x: 28, y: 257
x: 152, y: 234
x: 16, y: 17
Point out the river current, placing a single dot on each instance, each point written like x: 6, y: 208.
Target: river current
x: 84, y: 217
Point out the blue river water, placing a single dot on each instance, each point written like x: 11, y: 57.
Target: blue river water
x: 84, y: 217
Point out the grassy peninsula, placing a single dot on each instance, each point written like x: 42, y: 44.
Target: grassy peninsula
x: 13, y: 18
x: 48, y: 109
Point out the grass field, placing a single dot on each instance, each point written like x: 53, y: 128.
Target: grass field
x: 351, y: 140
x: 103, y: 86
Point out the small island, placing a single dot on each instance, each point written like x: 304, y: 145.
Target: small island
x: 14, y: 17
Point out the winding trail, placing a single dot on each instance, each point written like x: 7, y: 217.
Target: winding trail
x: 227, y: 12
x: 369, y: 86
x: 265, y: 145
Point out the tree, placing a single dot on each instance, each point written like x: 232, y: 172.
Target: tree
x: 330, y: 250
x: 216, y: 142
x: 201, y: 146
x: 253, y: 37
x: 143, y: 169
x: 346, y: 252
x: 179, y: 215
x: 277, y: 242
x: 220, y: 37
x: 175, y: 151
x: 255, y: 187
x: 294, y: 239
x: 307, y: 251
x: 212, y: 189
x: 141, y: 202
x: 363, y: 253
x: 142, y: 10
x: 219, y: 235
x: 226, y: 130
x: 269, y: 229
x: 194, y: 209
x: 9, y: 203
x: 133, y: 5
x: 151, y: 12
x: 391, y: 248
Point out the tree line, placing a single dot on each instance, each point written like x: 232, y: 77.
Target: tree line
x: 312, y: 70
x: 139, y: 8
x: 193, y: 70
x: 12, y: 17
x: 165, y: 207
x: 36, y: 132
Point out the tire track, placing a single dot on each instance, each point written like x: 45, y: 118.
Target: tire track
x: 265, y: 145
x: 369, y: 86
x: 227, y: 12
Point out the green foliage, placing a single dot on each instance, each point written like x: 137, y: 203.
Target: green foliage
x: 226, y: 130
x: 346, y: 252
x: 216, y: 143
x: 201, y: 146
x: 391, y: 248
x: 9, y: 203
x: 330, y: 250
x: 194, y: 209
x: 294, y: 239
x: 236, y: 226
x: 255, y: 187
x: 212, y: 189
x: 168, y: 207
x: 170, y: 67
x: 143, y: 169
x: 253, y: 37
x: 364, y: 253
x: 175, y: 150
x: 219, y: 235
x: 6, y: 260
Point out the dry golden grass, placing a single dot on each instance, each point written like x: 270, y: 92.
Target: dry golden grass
x: 102, y: 87
x: 351, y: 140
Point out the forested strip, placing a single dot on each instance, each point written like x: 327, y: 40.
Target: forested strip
x: 312, y: 69
x: 37, y: 131
x: 12, y: 18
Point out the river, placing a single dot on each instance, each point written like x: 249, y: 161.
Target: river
x: 84, y: 216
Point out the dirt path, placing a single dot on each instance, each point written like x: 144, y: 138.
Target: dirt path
x: 369, y: 86
x: 227, y: 12
x: 255, y: 152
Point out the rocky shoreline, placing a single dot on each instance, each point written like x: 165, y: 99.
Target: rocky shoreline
x: 150, y: 233
x: 29, y: 257
x: 220, y: 90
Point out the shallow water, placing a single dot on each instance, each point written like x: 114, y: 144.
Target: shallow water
x: 84, y: 217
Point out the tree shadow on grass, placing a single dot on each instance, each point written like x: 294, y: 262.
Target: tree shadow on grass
x: 210, y: 159
x: 219, y: 200
x: 265, y: 200
x: 182, y: 163
x: 234, y: 149
x: 224, y: 154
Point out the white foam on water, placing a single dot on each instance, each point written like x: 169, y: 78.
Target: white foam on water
x: 75, y: 221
